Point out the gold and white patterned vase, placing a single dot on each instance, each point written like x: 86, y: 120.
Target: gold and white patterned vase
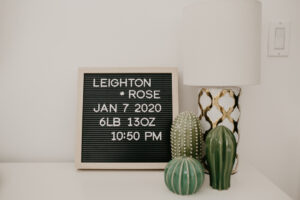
x: 220, y: 106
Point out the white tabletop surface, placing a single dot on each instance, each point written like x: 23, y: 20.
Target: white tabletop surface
x: 61, y: 181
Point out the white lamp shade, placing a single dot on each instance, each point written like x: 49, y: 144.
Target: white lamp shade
x: 221, y: 43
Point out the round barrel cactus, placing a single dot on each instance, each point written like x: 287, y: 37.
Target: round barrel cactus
x: 187, y: 137
x: 184, y: 175
x: 220, y: 155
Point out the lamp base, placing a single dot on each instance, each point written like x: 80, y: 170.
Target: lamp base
x: 220, y: 106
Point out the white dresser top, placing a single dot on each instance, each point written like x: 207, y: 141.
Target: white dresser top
x: 61, y: 181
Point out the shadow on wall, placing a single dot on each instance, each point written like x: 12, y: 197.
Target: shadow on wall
x: 188, y: 96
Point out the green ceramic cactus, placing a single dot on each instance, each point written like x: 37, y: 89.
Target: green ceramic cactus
x: 184, y: 175
x: 187, y: 137
x: 220, y: 154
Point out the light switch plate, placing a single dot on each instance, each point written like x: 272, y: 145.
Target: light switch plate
x: 279, y: 39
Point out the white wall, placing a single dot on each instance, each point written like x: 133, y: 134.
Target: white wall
x: 43, y: 42
x: 271, y: 111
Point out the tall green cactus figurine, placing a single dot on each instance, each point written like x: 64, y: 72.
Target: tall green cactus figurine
x: 187, y: 137
x: 220, y: 154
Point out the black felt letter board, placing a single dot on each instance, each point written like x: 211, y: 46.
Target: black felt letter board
x: 126, y: 117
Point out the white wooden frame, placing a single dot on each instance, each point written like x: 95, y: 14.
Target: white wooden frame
x: 110, y: 165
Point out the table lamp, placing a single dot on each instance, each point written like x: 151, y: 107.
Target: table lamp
x: 221, y: 53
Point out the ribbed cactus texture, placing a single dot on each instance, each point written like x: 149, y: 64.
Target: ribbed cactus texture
x: 187, y: 137
x: 220, y: 154
x: 184, y: 175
